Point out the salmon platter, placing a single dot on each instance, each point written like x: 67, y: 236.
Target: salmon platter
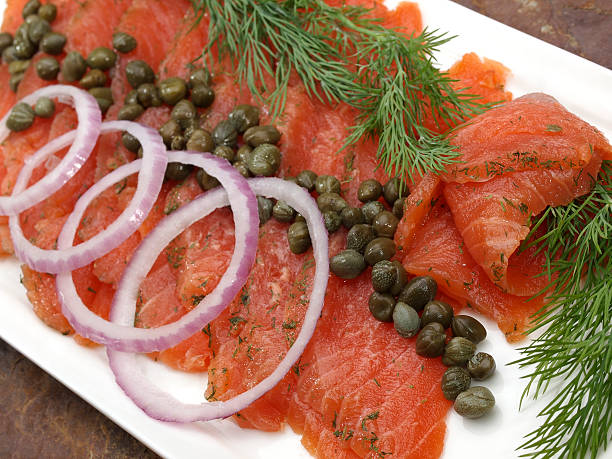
x: 309, y: 228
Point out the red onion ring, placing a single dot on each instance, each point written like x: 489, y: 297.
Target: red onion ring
x: 123, y: 336
x: 88, y: 113
x: 150, y: 179
x: 162, y: 406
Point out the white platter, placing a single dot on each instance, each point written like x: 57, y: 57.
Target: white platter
x: 585, y: 88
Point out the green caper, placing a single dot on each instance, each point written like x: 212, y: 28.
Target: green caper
x: 104, y: 104
x: 24, y: 48
x: 18, y: 66
x: 184, y: 112
x: 401, y: 277
x: 458, y: 351
x: 264, y: 160
x: 474, y: 402
x: 379, y: 249
x: 31, y: 7
x: 327, y: 184
x: 48, y: 12
x: 381, y: 306
x: 385, y: 224
x: 243, y: 153
x: 206, y: 182
x: 202, y: 96
x: 139, y: 72
x: 468, y: 327
x: 225, y: 133
x: 244, y: 117
x: 104, y: 97
x: 169, y: 130
x: 455, y: 381
x: 359, y: 236
x: 6, y: 40
x: 44, y: 107
x: 130, y: 112
x: 139, y: 152
x: 438, y: 311
x: 178, y: 143
x: 93, y: 79
x: 9, y: 55
x: 283, y: 212
x: 101, y: 93
x: 123, y: 42
x: 38, y: 29
x: 351, y: 216
x: 15, y: 80
x: 131, y: 97
x: 20, y: 118
x: 481, y: 366
x: 406, y: 320
x: 148, y: 95
x: 53, y: 43
x: 73, y: 66
x: 242, y: 168
x: 391, y: 190
x: 398, y: 208
x: 299, y: 237
x: 190, y: 127
x: 200, y: 140
x: 430, y: 341
x: 369, y: 190
x: 199, y: 77
x: 299, y: 218
x: 265, y: 208
x: 130, y: 142
x: 258, y: 135
x: 224, y: 152
x: 384, y: 276
x: 102, y: 58
x: 331, y: 201
x: 332, y: 221
x: 306, y: 179
x: 419, y: 291
x: 348, y: 264
x: 31, y: 19
x: 372, y: 209
x: 177, y: 171
x: 47, y: 68
x: 172, y: 90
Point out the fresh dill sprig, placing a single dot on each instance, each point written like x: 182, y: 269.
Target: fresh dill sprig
x: 575, y: 348
x: 341, y: 54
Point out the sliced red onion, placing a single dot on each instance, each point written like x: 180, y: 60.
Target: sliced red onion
x: 84, y: 140
x: 162, y: 406
x: 68, y: 257
x: 122, y: 335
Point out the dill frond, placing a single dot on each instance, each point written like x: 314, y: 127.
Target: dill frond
x: 341, y: 54
x: 576, y: 343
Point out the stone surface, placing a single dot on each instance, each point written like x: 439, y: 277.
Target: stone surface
x: 581, y: 27
x: 41, y: 418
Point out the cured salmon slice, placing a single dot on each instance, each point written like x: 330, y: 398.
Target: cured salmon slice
x: 438, y: 250
x: 530, y: 133
x: 494, y: 217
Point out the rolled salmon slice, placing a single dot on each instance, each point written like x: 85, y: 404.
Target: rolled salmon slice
x: 530, y: 133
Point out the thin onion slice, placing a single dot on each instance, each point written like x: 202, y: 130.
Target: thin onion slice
x: 150, y: 179
x: 84, y: 141
x: 161, y: 405
x: 123, y: 336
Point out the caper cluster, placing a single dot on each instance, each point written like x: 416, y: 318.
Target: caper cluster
x: 370, y: 237
x: 22, y: 115
x: 33, y: 34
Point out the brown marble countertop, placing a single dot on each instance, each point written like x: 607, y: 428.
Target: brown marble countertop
x: 39, y: 417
